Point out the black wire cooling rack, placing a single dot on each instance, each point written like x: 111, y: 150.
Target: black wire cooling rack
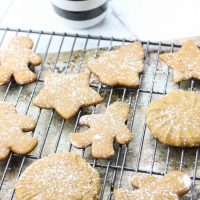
x: 143, y: 154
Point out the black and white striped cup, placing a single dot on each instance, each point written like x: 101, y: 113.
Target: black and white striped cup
x: 80, y: 13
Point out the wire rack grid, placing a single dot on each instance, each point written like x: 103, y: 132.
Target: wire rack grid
x: 143, y: 154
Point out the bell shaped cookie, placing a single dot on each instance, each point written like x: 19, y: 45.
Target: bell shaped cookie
x: 119, y: 67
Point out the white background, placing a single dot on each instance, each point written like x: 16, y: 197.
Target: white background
x: 144, y: 19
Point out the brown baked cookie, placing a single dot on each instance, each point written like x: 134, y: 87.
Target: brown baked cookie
x: 59, y: 176
x: 66, y: 93
x: 175, y: 118
x: 169, y: 187
x: 119, y: 67
x: 104, y: 128
x: 15, y: 59
x: 185, y: 62
x: 12, y: 128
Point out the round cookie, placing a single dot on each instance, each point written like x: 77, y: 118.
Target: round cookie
x: 59, y: 176
x: 175, y: 118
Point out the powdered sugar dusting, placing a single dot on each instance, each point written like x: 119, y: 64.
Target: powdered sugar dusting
x: 185, y: 180
x: 97, y: 137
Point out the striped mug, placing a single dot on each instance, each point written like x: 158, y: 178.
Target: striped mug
x: 80, y: 13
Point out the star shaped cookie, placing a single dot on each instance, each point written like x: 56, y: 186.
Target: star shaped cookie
x: 169, y: 187
x: 175, y: 118
x: 15, y: 59
x: 119, y: 67
x: 66, y: 93
x: 185, y: 62
x: 104, y: 128
x: 12, y: 128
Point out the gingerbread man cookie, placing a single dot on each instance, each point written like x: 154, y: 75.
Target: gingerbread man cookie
x: 119, y: 67
x: 175, y: 118
x: 169, y: 187
x: 12, y: 128
x: 104, y: 128
x: 66, y: 93
x: 185, y: 62
x: 59, y: 176
x: 14, y: 61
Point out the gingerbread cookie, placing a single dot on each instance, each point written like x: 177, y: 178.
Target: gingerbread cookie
x: 66, y: 93
x: 59, y: 176
x: 175, y: 118
x: 14, y: 61
x: 104, y: 128
x: 185, y: 62
x: 119, y: 67
x: 12, y: 128
x: 169, y: 187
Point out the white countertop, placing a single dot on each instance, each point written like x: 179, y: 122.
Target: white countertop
x: 144, y: 19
